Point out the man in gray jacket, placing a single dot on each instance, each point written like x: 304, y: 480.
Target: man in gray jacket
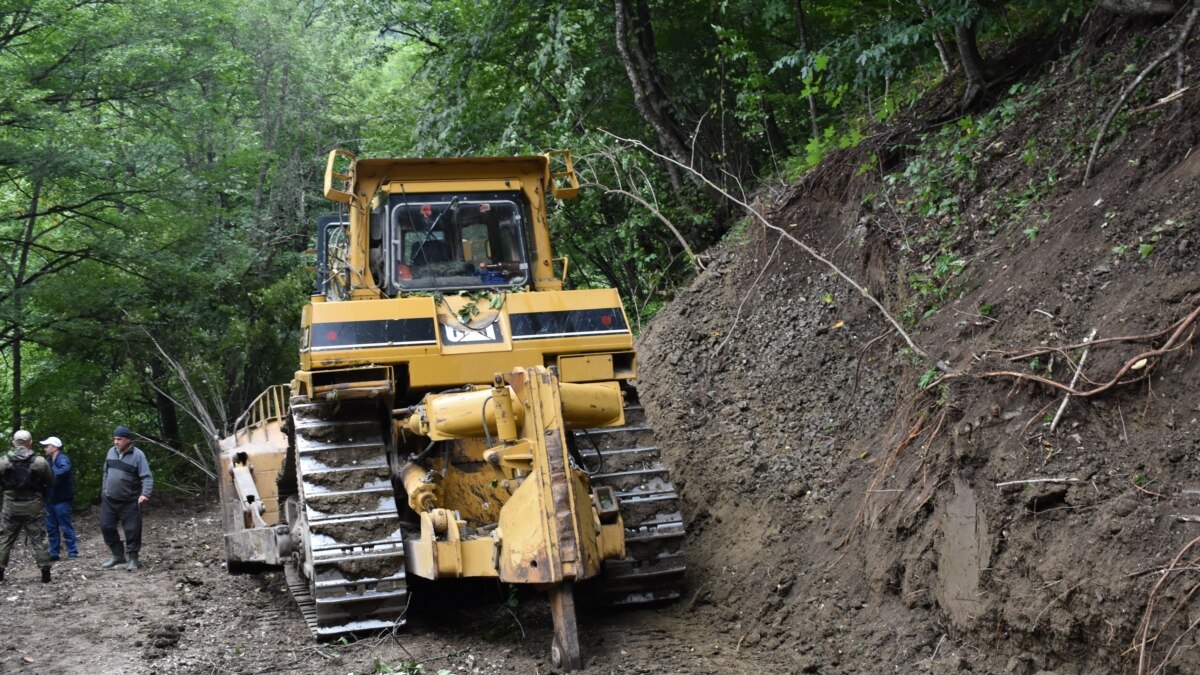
x: 127, y: 485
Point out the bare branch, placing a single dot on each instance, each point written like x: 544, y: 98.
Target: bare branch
x: 784, y: 233
x: 197, y: 408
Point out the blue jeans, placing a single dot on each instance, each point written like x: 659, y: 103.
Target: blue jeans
x: 59, y: 516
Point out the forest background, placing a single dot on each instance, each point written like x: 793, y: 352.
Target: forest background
x: 160, y: 163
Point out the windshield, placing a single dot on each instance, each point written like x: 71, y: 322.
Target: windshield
x: 456, y: 241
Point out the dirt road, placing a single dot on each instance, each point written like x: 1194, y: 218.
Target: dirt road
x: 182, y: 613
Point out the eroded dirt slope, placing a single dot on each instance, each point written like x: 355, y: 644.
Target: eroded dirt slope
x: 845, y: 520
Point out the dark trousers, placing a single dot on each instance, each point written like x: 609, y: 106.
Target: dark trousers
x: 129, y: 515
x: 58, y: 517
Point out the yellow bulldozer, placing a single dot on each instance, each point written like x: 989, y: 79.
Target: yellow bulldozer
x: 457, y: 412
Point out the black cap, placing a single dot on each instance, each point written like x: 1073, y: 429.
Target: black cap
x: 122, y: 432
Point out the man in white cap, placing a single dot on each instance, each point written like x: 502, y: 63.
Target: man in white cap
x: 59, y: 499
x: 26, y: 477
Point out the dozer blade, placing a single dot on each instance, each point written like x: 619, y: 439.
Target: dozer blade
x: 351, y: 577
x: 626, y: 459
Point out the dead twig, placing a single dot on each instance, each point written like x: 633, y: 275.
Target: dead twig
x: 1143, y: 644
x: 1050, y: 604
x: 1031, y: 481
x: 858, y: 366
x: 1145, y: 491
x: 1078, y: 371
x: 737, y: 316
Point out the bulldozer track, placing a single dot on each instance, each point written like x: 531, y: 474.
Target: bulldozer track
x: 350, y: 574
x: 627, y: 460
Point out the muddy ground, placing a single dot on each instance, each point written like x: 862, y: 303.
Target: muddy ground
x: 853, y: 505
x: 182, y: 613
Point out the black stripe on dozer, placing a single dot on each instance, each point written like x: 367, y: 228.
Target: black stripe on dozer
x: 400, y: 331
x: 386, y: 331
x: 626, y: 459
x: 570, y: 321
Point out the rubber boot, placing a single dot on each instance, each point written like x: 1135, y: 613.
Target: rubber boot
x: 46, y: 574
x: 132, y: 565
x: 118, y: 557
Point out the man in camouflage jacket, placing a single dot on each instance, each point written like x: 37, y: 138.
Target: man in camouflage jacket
x: 26, y: 477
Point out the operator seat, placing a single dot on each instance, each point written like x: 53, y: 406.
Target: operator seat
x: 432, y: 251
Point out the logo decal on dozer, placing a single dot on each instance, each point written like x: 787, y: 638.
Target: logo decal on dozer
x: 489, y: 333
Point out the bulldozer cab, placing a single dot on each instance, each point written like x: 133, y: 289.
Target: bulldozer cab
x: 458, y: 241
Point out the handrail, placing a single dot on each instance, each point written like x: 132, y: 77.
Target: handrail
x: 344, y: 191
x: 564, y: 184
x: 566, y: 261
x: 270, y: 406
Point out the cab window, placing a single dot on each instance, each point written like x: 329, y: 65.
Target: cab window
x: 460, y: 241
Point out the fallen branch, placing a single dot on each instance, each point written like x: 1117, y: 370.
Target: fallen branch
x: 1173, y: 96
x: 198, y: 409
x: 199, y: 464
x: 1174, y: 49
x: 692, y: 257
x: 1078, y: 371
x: 1032, y: 481
x: 1148, y: 337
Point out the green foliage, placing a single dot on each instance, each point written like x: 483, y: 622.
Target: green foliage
x: 169, y: 202
x: 172, y: 156
x: 934, y: 282
x: 504, y: 625
x: 927, y: 378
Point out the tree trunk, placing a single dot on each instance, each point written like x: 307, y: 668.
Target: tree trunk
x: 19, y: 303
x: 938, y: 42
x: 168, y: 418
x: 648, y: 97
x: 972, y: 63
x: 802, y: 28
